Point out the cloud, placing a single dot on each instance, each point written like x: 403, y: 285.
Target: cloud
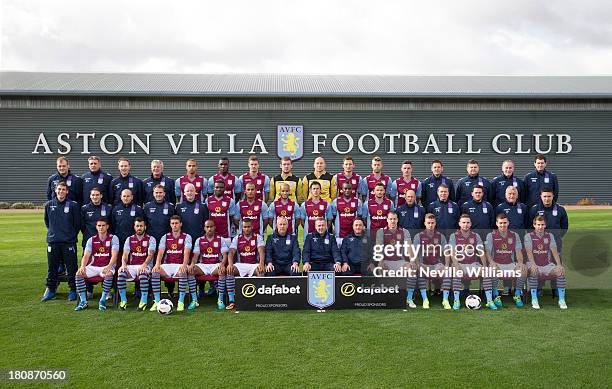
x: 320, y: 37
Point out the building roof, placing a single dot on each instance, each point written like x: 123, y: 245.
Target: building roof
x: 293, y: 85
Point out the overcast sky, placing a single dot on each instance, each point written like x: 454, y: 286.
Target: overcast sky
x: 320, y: 37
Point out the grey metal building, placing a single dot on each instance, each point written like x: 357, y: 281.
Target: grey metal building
x: 419, y: 118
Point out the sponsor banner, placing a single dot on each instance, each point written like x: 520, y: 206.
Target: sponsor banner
x: 320, y: 290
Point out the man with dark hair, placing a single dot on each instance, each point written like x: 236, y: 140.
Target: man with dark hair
x: 544, y: 261
x: 406, y: 182
x: 356, y: 250
x: 73, y: 182
x: 126, y: 181
x: 465, y: 185
x: 138, y: 254
x: 99, y: 259
x: 260, y: 180
x: 358, y: 186
x: 191, y: 177
x: 505, y: 252
x: 430, y: 184
x: 286, y: 177
x: 538, y: 179
x: 480, y: 211
x: 445, y: 210
x: 376, y: 177
x: 223, y: 174
x: 345, y: 209
x: 62, y: 219
x: 314, y: 208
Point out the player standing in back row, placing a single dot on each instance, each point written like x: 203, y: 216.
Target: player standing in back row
x: 376, y: 177
x: 326, y: 181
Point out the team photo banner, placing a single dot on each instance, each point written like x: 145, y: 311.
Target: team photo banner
x: 320, y: 290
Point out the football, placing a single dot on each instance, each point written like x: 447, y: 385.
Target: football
x: 165, y: 307
x: 473, y: 302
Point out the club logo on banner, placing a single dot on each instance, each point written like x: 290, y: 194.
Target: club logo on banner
x: 321, y: 288
x: 290, y: 141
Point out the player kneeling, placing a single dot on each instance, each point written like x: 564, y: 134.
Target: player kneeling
x: 246, y: 258
x: 209, y: 259
x: 99, y: 260
x: 174, y: 250
x: 138, y: 252
x: 540, y: 247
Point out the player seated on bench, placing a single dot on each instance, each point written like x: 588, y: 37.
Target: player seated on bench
x: 321, y: 252
x: 356, y: 251
x: 99, y: 260
x: 282, y: 251
x: 138, y: 252
x: 541, y: 250
x: 210, y: 259
x: 174, y: 251
x: 246, y: 258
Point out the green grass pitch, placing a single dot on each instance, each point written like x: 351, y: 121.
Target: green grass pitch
x: 368, y: 348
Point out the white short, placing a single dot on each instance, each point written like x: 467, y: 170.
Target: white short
x: 395, y: 265
x: 246, y: 269
x: 171, y: 269
x: 132, y: 272
x: 95, y: 271
x: 543, y: 271
x: 207, y: 268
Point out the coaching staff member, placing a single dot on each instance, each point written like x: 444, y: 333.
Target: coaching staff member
x: 73, y: 182
x: 96, y: 177
x: 321, y: 250
x: 282, y: 251
x: 62, y: 218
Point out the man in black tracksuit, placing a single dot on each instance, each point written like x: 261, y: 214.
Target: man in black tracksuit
x: 356, y: 251
x: 96, y: 177
x: 445, y: 210
x: 411, y: 215
x: 126, y: 181
x: 91, y: 213
x: 537, y: 180
x: 62, y: 218
x: 480, y: 211
x: 282, y: 251
x: 321, y: 250
x: 429, y: 187
x: 505, y: 180
x: 158, y: 213
x: 73, y: 182
x: 517, y: 212
x: 463, y: 190
x: 158, y: 178
x: 123, y: 217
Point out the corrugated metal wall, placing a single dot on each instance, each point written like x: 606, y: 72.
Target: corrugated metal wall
x: 582, y: 173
